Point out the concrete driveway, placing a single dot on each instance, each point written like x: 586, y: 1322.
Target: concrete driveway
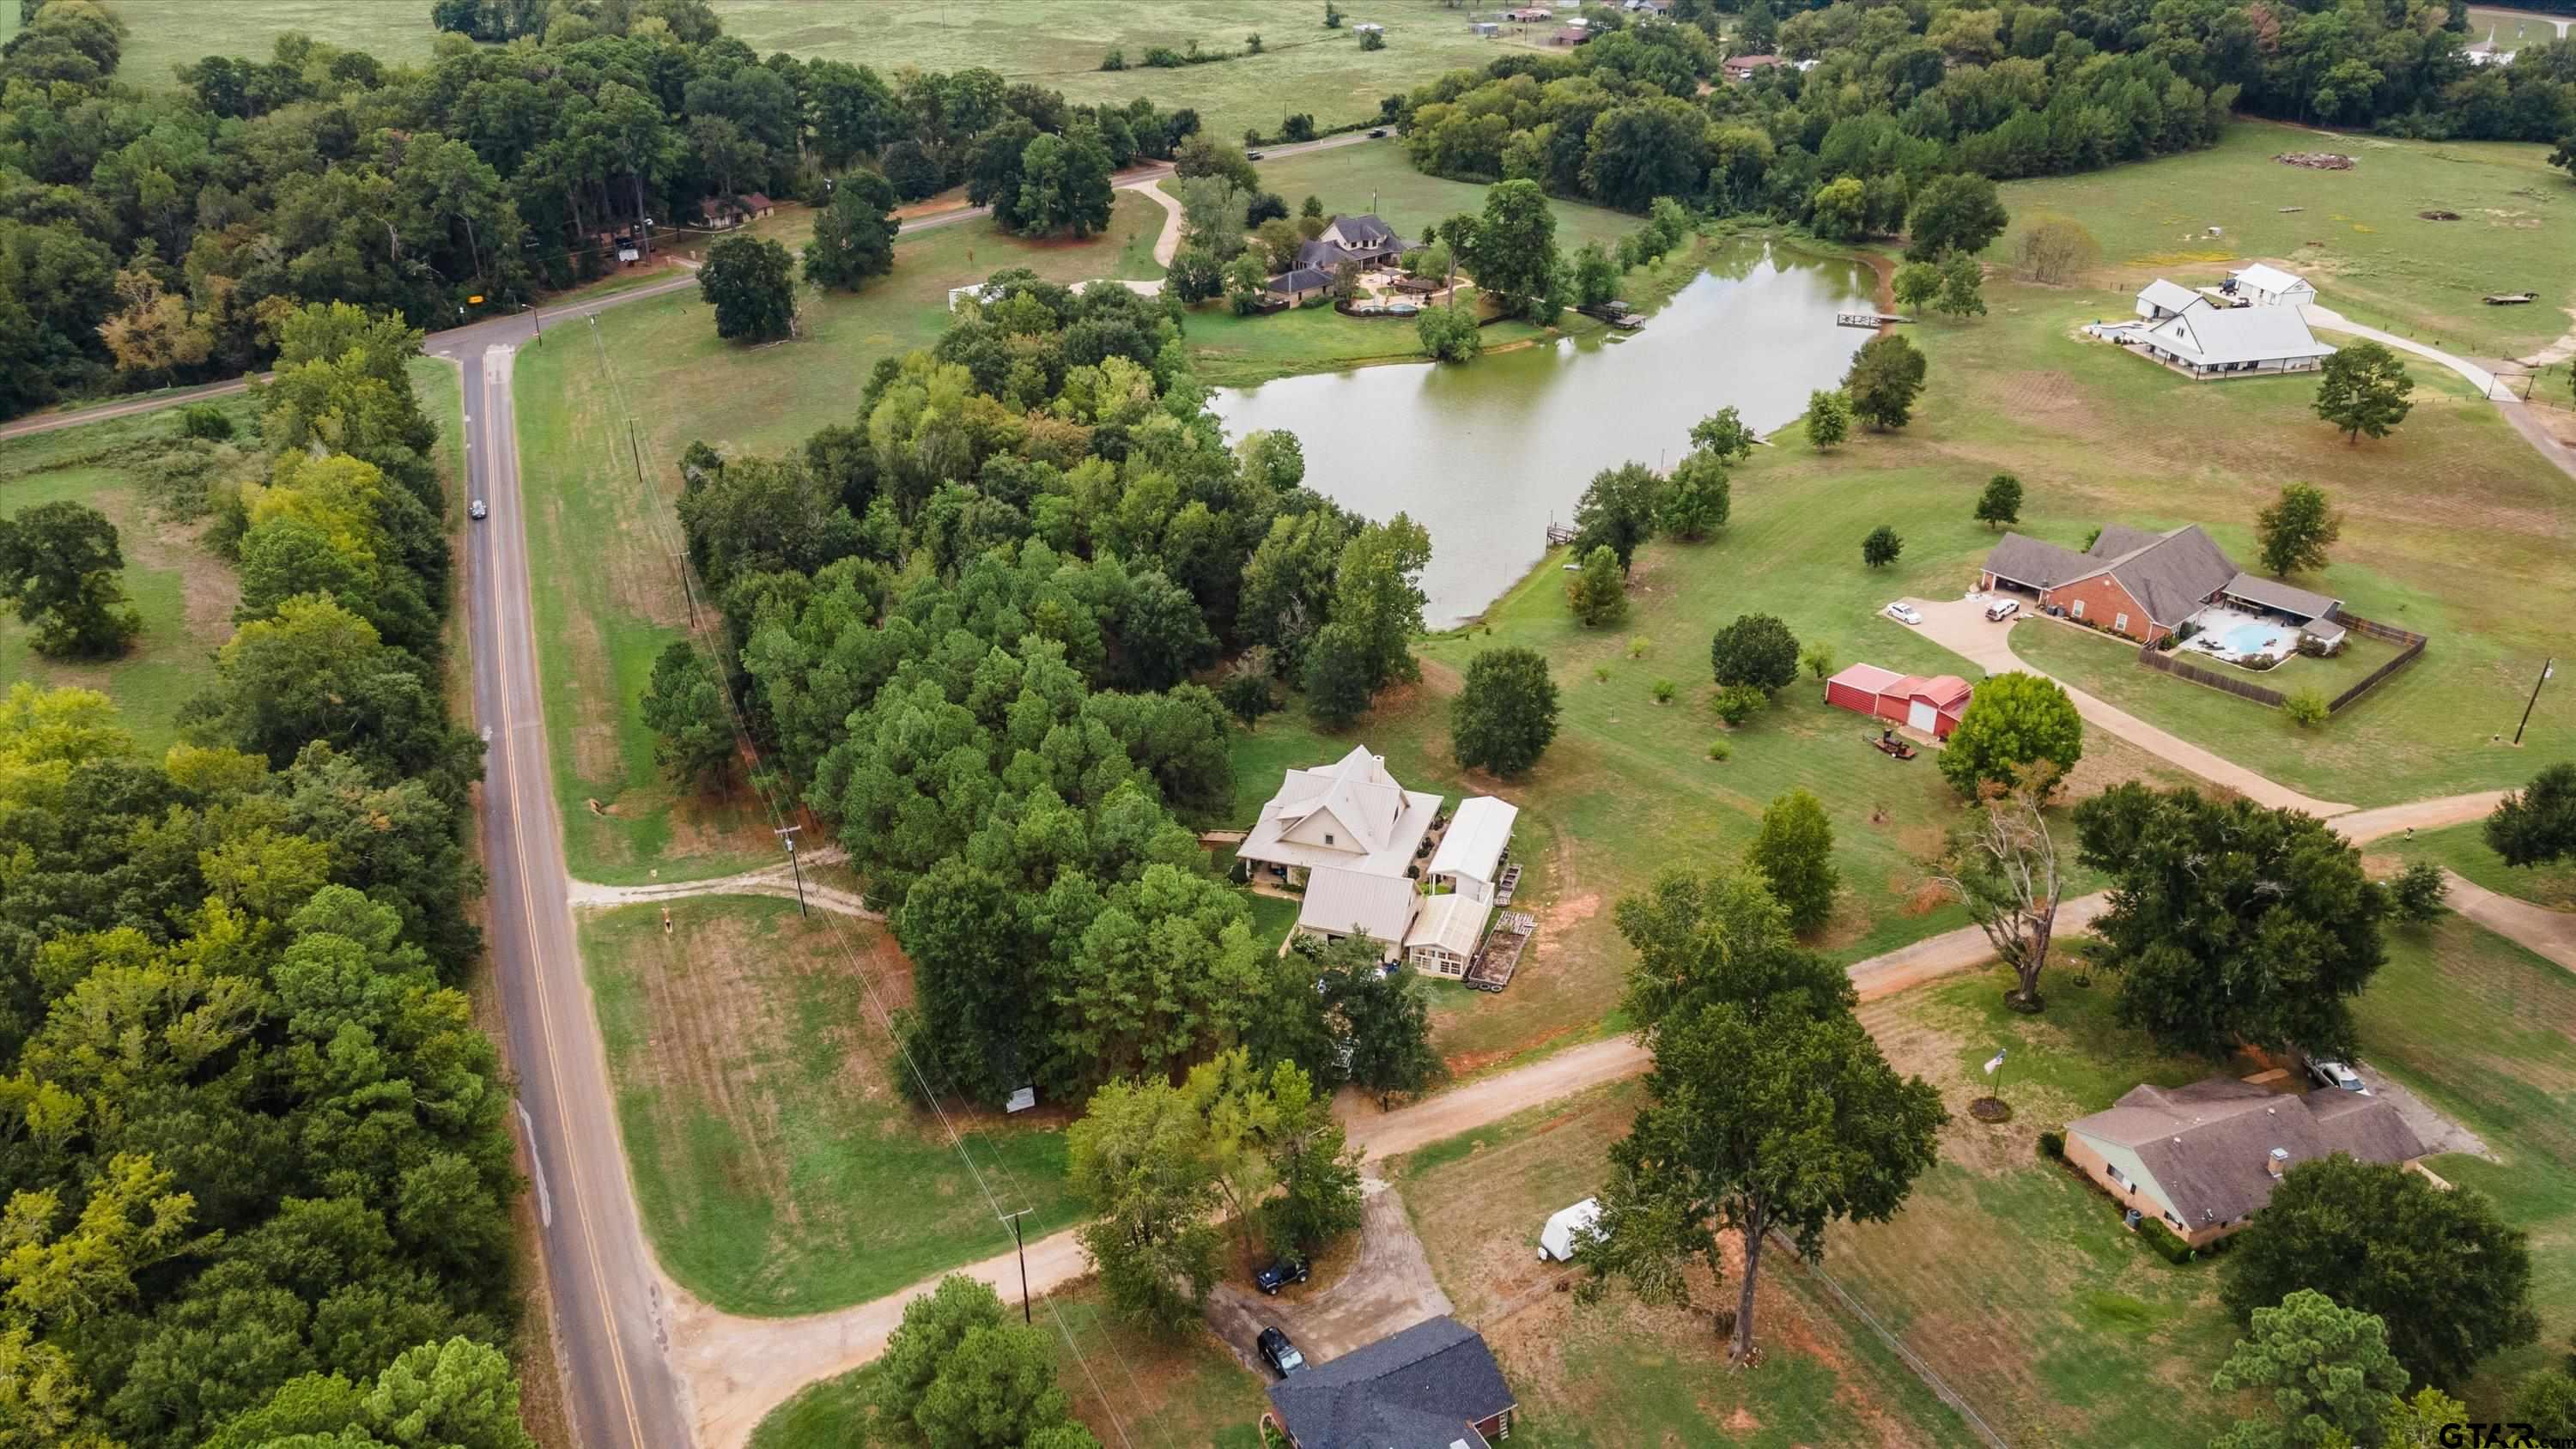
x: 1387, y: 1287
x: 1960, y: 626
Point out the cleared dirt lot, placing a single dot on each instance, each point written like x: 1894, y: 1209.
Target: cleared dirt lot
x: 1383, y: 1287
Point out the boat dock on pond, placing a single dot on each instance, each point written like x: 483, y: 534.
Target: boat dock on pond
x: 1870, y: 320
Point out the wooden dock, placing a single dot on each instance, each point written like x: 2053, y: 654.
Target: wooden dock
x: 1558, y: 533
x: 1871, y: 320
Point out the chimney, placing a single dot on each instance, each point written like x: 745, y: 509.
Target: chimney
x: 2280, y: 1158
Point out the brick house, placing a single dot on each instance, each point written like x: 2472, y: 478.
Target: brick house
x: 2137, y: 584
x: 2204, y: 1158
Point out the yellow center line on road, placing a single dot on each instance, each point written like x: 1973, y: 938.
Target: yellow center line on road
x: 494, y: 441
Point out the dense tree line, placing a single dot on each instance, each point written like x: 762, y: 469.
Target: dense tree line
x: 152, y: 234
x: 965, y: 624
x: 257, y: 1184
x: 1896, y: 96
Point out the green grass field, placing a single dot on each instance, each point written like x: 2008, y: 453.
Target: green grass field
x: 765, y: 1118
x: 2464, y: 849
x: 1056, y: 43
x: 1129, y: 1387
x: 2356, y: 233
x: 2436, y: 517
x: 2017, y: 1281
x: 1625, y: 1374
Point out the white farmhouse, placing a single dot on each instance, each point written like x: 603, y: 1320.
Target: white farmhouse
x: 2160, y: 299
x: 2239, y: 341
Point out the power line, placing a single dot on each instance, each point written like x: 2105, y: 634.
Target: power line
x: 735, y: 717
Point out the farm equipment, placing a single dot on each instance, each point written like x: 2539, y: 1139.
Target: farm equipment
x: 1886, y: 743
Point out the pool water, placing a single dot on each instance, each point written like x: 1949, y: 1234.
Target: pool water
x: 2255, y: 637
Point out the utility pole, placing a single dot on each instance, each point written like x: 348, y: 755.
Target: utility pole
x: 1022, y: 1244
x: 2546, y: 670
x: 787, y: 833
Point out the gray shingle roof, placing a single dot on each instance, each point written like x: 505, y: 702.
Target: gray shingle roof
x: 2172, y: 577
x: 2208, y: 1145
x: 1423, y: 1388
x: 1301, y: 279
x: 1366, y: 230
x: 2273, y: 594
x: 2036, y: 562
x: 2116, y: 539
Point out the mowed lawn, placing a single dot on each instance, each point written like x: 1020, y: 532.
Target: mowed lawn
x: 1241, y: 351
x: 2464, y: 849
x: 2018, y: 1283
x: 766, y: 1120
x: 2442, y: 520
x: 1621, y: 1373
x: 2356, y: 234
x: 1128, y: 1386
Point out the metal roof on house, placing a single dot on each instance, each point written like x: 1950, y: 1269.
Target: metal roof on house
x: 2208, y: 1146
x: 1477, y: 834
x: 2171, y: 296
x: 1345, y: 902
x: 2273, y: 594
x: 2224, y: 336
x: 1424, y: 1388
x: 1374, y: 822
x: 1453, y: 922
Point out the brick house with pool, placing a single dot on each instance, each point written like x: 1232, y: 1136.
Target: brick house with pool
x: 2143, y: 585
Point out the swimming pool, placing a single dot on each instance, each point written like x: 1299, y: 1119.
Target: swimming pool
x: 2255, y: 636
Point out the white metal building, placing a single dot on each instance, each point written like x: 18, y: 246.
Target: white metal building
x: 2220, y: 341
x: 1470, y: 857
x: 1442, y: 940
x: 2267, y: 286
x: 1343, y: 902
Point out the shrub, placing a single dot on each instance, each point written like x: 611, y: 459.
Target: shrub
x: 1299, y: 127
x: 1818, y: 656
x: 1163, y: 57
x: 2418, y: 892
x: 204, y: 420
x: 1372, y: 40
x: 1638, y: 646
x: 2306, y: 707
x: 2052, y: 1145
x: 1663, y: 691
x: 1881, y: 547
x: 1601, y: 674
x: 2163, y: 1240
x: 1735, y: 703
x: 1114, y: 60
x: 1448, y: 335
x: 1718, y: 751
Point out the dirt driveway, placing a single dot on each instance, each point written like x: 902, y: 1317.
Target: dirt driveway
x: 1384, y: 1288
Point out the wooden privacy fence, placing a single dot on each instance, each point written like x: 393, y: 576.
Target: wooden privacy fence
x: 2154, y: 658
x: 2410, y: 644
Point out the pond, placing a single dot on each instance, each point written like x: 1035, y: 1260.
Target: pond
x: 1486, y: 454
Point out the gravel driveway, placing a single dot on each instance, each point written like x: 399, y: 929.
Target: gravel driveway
x: 1385, y: 1288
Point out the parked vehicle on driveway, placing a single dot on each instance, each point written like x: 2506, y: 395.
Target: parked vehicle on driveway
x: 1291, y: 1269
x: 2002, y: 609
x: 1903, y: 613
x: 2338, y: 1075
x: 1279, y: 1353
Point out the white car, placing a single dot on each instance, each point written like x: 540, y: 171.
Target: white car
x: 2003, y: 609
x: 1903, y: 613
x: 477, y: 511
x: 2338, y: 1075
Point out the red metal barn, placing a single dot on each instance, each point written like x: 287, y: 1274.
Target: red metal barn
x: 1932, y: 705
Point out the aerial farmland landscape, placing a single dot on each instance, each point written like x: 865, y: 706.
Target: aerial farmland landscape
x: 1592, y: 722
